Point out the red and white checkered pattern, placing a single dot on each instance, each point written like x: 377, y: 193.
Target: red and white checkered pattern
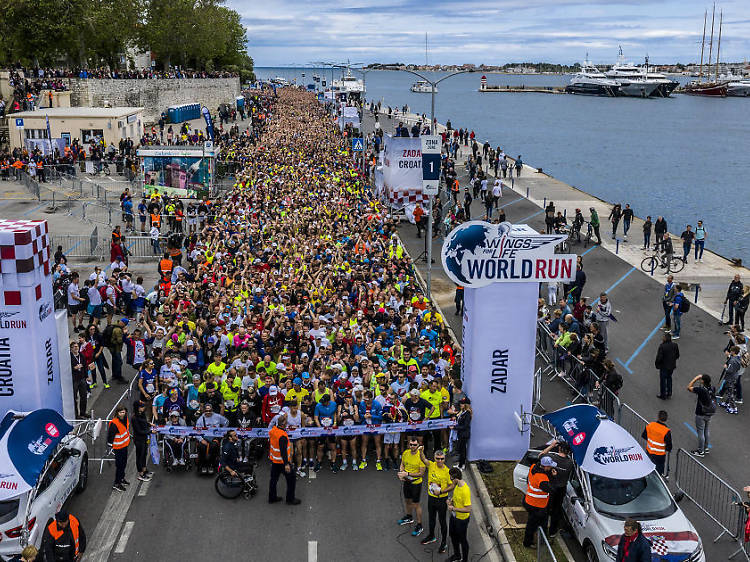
x: 399, y: 198
x: 24, y: 260
x: 658, y: 545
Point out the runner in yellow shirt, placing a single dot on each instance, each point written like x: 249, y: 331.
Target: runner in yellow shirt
x: 438, y: 486
x: 460, y: 508
x: 410, y: 473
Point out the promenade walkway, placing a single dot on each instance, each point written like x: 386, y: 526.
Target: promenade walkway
x: 634, y: 339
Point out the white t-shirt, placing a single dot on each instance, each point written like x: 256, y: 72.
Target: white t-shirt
x: 94, y: 297
x: 497, y: 189
x: 73, y: 291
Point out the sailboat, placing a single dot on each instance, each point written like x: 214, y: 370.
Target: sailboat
x: 707, y: 87
x: 423, y: 86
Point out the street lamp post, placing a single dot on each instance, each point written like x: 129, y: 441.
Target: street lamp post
x: 433, y: 130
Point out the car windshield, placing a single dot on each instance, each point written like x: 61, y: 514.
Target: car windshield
x: 641, y: 498
x: 8, y: 510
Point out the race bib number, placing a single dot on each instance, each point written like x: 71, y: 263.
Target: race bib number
x: 275, y: 409
x: 193, y: 404
x: 348, y: 422
x: 327, y: 422
x: 415, y: 416
x: 435, y: 488
x: 149, y: 387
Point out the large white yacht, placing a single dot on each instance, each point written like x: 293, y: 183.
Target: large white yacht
x: 592, y: 82
x: 349, y: 85
x: 638, y: 81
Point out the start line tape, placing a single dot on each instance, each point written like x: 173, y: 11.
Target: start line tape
x: 299, y: 433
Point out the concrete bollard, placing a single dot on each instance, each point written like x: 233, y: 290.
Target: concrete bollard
x: 565, y: 213
x: 545, y: 203
x: 617, y: 246
x: 653, y: 267
x: 697, y: 288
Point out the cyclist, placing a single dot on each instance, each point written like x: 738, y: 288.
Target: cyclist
x: 667, y: 250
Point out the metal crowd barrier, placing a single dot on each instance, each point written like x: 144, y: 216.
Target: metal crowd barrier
x: 78, y: 245
x: 633, y: 422
x: 544, y: 551
x: 711, y: 494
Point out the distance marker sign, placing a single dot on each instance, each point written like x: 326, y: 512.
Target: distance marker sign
x: 430, y: 164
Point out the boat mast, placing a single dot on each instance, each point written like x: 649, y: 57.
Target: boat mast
x: 426, y: 60
x: 711, y: 42
x: 718, y: 46
x: 703, y: 43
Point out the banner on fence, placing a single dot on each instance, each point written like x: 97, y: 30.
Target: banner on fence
x: 304, y: 432
x: 402, y: 171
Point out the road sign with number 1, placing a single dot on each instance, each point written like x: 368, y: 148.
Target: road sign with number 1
x: 430, y: 164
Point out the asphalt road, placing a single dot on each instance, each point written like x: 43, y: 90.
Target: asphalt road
x: 633, y: 342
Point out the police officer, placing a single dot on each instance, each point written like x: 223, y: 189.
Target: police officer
x: 64, y: 539
x: 658, y: 441
x: 537, y: 497
x: 559, y: 451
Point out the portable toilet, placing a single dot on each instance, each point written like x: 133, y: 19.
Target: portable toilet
x: 241, y: 102
x: 172, y: 114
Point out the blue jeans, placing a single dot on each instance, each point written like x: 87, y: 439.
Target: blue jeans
x: 676, y: 318
x: 699, y: 244
x: 685, y: 251
x: 646, y: 240
x: 625, y: 226
x: 701, y: 426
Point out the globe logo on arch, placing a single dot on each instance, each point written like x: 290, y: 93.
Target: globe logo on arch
x: 478, y: 253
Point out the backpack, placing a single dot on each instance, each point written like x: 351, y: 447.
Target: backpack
x: 107, y: 335
x: 710, y: 410
x: 745, y: 359
x: 103, y: 292
x: 684, y: 304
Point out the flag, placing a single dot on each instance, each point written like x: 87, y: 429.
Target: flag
x: 155, y: 453
x: 49, y: 134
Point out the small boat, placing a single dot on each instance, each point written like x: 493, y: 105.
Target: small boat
x: 422, y: 87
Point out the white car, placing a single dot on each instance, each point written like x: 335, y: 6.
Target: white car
x: 596, y: 507
x: 64, y: 473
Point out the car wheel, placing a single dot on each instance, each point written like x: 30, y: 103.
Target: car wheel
x: 83, y: 475
x: 591, y: 553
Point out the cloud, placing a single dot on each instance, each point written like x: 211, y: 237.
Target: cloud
x: 485, y: 31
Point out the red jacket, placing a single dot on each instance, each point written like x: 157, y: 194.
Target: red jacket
x: 268, y: 406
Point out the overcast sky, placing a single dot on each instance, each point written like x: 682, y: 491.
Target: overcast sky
x: 297, y: 32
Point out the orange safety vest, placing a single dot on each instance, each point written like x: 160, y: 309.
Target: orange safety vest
x: 455, y: 186
x: 74, y: 528
x: 155, y: 220
x: 656, y: 433
x: 174, y: 252
x: 39, y: 165
x: 122, y: 438
x: 274, y: 451
x: 535, y: 496
x: 165, y: 266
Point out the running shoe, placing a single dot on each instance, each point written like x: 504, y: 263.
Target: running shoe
x: 697, y: 453
x: 317, y: 466
x: 344, y: 465
x: 125, y: 482
x: 354, y: 466
x: 378, y: 465
x: 106, y: 385
x: 405, y: 520
x: 443, y: 548
x: 119, y: 488
x: 93, y: 385
x: 363, y: 465
x: 144, y: 477
x: 417, y: 530
x: 334, y: 468
x: 428, y: 540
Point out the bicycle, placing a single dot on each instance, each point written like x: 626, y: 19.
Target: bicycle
x: 654, y: 261
x: 589, y: 235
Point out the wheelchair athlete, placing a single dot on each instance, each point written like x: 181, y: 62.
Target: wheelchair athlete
x: 175, y: 447
x: 231, y: 462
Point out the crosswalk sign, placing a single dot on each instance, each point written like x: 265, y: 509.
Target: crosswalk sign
x: 357, y: 144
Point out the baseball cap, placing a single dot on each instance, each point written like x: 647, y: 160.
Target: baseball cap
x: 297, y: 380
x: 124, y: 321
x: 547, y: 461
x: 414, y: 392
x: 273, y: 390
x: 305, y: 375
x: 190, y: 342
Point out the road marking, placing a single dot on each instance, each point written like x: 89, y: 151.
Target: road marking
x: 643, y: 344
x: 123, y: 542
x: 312, y: 551
x: 143, y: 490
x: 693, y: 431
x: 312, y: 474
x: 625, y: 366
x: 73, y: 247
x: 616, y: 283
x: 591, y: 248
x: 34, y: 209
x: 513, y: 202
x: 530, y: 216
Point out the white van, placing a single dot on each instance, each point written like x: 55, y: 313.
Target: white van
x: 614, y: 480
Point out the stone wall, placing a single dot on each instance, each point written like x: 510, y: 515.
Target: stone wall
x: 153, y: 95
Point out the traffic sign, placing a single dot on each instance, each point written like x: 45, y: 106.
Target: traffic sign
x: 19, y: 122
x: 357, y: 144
x: 430, y: 164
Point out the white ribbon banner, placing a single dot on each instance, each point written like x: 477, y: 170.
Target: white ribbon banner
x: 341, y: 431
